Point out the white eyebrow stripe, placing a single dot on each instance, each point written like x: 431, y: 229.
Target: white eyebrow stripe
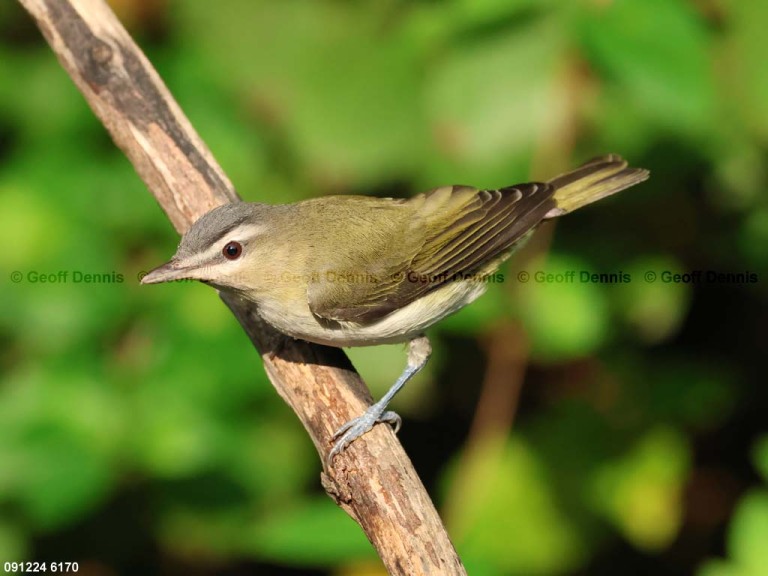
x: 244, y: 231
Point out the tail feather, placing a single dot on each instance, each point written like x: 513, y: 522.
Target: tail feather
x: 593, y: 180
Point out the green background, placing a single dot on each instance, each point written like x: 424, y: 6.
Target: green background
x: 562, y: 427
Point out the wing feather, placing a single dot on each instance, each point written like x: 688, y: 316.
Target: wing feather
x: 450, y: 232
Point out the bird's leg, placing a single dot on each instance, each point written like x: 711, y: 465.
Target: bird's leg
x: 419, y: 350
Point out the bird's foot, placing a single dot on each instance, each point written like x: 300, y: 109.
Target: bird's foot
x: 418, y: 354
x: 356, y: 427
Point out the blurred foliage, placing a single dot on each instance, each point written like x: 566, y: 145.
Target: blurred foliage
x: 748, y: 531
x: 138, y: 432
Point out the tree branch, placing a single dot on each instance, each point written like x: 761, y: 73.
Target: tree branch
x: 373, y: 481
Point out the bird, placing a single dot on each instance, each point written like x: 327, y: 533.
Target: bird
x: 351, y: 270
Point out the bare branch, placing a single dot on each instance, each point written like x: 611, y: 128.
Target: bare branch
x: 373, y: 480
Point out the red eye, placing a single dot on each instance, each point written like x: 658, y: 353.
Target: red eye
x: 232, y: 250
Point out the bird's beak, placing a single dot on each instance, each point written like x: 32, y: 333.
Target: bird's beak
x: 168, y: 272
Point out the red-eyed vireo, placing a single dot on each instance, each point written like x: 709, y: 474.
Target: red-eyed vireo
x: 360, y: 271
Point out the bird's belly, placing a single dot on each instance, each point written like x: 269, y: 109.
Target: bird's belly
x: 399, y: 326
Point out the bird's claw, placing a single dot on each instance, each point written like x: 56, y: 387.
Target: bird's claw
x: 356, y: 427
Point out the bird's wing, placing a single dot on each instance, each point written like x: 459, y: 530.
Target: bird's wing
x: 450, y: 232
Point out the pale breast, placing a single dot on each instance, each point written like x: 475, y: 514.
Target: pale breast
x: 399, y: 326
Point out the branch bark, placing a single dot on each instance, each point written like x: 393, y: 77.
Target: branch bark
x: 373, y: 480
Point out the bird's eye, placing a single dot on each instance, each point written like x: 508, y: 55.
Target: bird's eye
x: 232, y: 250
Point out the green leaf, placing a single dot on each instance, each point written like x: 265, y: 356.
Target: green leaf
x: 720, y: 567
x: 314, y: 532
x: 481, y: 109
x: 745, y: 53
x: 565, y: 316
x: 348, y: 119
x: 12, y: 542
x: 505, y: 518
x: 642, y: 493
x: 63, y: 478
x: 749, y: 533
x: 652, y: 305
x: 489, y: 12
x: 26, y: 214
x: 657, y: 53
x: 58, y: 436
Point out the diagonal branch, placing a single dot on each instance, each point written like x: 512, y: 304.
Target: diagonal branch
x: 373, y: 481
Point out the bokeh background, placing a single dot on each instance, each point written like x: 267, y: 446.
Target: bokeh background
x: 563, y: 427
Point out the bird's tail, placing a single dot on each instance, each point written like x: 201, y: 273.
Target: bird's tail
x: 596, y: 179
